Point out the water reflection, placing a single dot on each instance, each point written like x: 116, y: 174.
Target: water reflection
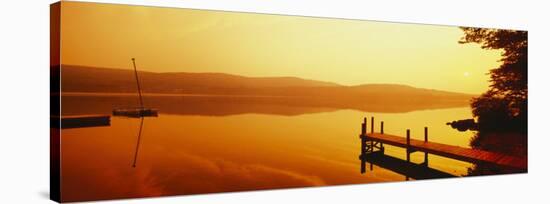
x: 187, y: 151
x: 138, y: 141
x: 234, y: 105
x: 407, y: 169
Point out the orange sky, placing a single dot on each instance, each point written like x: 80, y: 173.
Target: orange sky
x: 349, y: 52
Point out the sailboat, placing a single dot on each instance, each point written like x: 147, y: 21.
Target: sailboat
x: 136, y: 112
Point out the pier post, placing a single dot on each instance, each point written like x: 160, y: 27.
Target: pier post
x: 425, y: 134
x: 408, y: 145
x: 371, y: 124
x: 371, y: 131
x: 426, y: 140
x: 364, y: 128
x: 363, y: 166
x: 370, y: 165
x: 363, y: 137
x: 382, y: 132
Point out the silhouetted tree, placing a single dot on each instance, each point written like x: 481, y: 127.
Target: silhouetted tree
x: 508, y: 91
x: 501, y: 111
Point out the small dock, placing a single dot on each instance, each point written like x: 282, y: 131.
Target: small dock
x: 79, y: 121
x: 374, y: 143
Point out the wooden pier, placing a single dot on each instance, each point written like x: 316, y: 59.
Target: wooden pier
x: 79, y: 121
x: 374, y: 143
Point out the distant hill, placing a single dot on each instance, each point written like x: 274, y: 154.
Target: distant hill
x: 295, y: 91
x: 93, y: 79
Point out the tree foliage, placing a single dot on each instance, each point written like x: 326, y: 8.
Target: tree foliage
x: 506, y: 99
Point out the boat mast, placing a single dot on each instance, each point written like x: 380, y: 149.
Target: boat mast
x: 137, y: 80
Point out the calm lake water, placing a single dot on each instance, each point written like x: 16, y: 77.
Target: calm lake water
x: 216, y: 146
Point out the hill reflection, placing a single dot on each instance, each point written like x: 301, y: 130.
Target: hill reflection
x: 77, y: 104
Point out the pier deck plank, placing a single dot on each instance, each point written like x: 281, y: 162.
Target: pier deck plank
x: 454, y: 152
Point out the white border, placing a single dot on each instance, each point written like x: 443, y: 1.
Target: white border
x: 24, y: 87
